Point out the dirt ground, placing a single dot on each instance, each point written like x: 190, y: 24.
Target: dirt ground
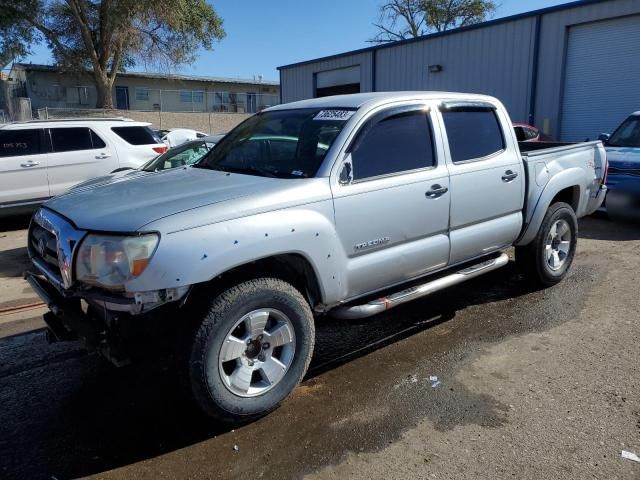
x: 530, y: 384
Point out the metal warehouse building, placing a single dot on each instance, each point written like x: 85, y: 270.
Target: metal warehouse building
x: 573, y: 70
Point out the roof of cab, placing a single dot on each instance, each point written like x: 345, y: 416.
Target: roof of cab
x: 371, y: 99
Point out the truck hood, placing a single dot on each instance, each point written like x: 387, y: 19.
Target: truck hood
x: 618, y: 156
x: 128, y: 203
x: 106, y: 179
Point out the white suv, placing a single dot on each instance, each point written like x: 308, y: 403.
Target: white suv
x: 43, y: 158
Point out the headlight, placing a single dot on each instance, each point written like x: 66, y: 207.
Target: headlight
x: 110, y: 260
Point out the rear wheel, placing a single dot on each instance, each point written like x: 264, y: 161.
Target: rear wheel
x: 547, y: 259
x: 252, y: 348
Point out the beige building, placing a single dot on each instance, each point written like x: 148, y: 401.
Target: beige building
x: 48, y: 86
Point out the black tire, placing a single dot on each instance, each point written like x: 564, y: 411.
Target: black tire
x: 209, y: 390
x: 532, y: 259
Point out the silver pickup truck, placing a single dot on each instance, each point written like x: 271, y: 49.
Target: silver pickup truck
x: 345, y: 206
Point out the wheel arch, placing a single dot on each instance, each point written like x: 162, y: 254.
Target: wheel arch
x: 565, y: 187
x: 293, y: 268
x: 569, y: 195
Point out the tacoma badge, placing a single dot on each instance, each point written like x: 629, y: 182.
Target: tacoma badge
x: 371, y: 243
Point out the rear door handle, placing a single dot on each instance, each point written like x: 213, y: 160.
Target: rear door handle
x: 509, y: 176
x: 29, y: 163
x: 103, y: 155
x: 436, y: 191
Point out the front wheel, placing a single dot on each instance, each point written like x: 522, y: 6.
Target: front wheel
x: 547, y: 259
x: 252, y: 348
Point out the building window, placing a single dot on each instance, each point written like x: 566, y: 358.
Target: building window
x: 198, y: 97
x: 78, y: 95
x: 222, y: 97
x: 142, y: 94
x: 186, y: 96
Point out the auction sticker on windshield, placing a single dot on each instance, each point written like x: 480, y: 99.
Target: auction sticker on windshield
x: 334, y: 115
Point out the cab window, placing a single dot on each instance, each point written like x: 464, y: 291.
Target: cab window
x: 473, y: 133
x: 395, y: 144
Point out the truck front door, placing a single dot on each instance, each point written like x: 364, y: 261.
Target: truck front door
x: 487, y: 179
x: 392, y: 200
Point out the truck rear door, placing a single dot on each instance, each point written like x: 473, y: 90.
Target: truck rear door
x: 392, y: 202
x: 487, y: 179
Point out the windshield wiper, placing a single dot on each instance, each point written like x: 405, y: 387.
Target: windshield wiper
x: 250, y: 170
x: 206, y: 166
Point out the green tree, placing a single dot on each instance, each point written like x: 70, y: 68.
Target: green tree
x: 104, y: 37
x: 402, y: 19
x: 15, y: 35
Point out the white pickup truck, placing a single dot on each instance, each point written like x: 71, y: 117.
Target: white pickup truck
x: 343, y: 206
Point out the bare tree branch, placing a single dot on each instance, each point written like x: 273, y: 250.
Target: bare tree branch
x: 402, y: 19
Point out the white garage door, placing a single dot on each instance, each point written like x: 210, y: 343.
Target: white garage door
x: 602, y: 82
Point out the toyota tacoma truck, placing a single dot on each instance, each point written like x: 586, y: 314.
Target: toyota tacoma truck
x: 344, y: 206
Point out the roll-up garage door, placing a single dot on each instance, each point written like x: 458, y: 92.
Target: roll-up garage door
x: 602, y: 77
x: 340, y: 81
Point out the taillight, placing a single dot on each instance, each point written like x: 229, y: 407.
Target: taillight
x: 160, y: 149
x: 606, y: 170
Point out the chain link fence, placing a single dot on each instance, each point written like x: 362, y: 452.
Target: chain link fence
x: 143, y: 99
x: 207, y: 122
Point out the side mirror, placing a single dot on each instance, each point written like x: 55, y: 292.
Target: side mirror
x: 604, y: 137
x: 345, y: 174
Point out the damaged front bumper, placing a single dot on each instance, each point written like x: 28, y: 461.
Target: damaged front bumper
x: 106, y: 322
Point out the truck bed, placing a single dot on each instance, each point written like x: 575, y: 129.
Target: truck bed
x: 545, y: 160
x: 527, y: 147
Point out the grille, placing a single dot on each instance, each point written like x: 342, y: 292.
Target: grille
x: 43, y: 246
x: 52, y: 241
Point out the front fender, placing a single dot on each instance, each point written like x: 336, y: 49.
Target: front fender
x: 569, y: 178
x: 200, y: 254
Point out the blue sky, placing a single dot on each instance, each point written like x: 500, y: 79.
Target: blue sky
x: 263, y: 35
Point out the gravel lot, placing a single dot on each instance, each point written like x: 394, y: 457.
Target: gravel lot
x: 533, y: 384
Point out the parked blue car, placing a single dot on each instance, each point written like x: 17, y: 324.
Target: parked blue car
x: 623, y: 179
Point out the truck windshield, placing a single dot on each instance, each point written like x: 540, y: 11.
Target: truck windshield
x: 281, y: 143
x: 627, y: 134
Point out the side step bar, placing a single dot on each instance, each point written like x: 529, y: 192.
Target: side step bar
x: 386, y: 303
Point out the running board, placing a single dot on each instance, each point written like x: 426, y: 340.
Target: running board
x: 386, y: 303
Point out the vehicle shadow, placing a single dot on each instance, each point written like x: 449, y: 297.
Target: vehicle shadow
x: 14, y: 262
x: 73, y: 415
x: 600, y: 227
x: 18, y: 222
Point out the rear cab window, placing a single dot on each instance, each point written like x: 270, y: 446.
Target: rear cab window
x: 136, y: 135
x: 14, y: 143
x: 474, y: 133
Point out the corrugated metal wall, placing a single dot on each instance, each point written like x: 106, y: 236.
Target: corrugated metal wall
x: 553, y: 39
x: 494, y: 61
x: 297, y: 83
x: 497, y: 60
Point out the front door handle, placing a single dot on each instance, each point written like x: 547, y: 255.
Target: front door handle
x: 103, y: 156
x: 29, y: 163
x: 436, y: 191
x: 509, y: 176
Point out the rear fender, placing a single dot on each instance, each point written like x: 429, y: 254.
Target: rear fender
x: 569, y: 178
